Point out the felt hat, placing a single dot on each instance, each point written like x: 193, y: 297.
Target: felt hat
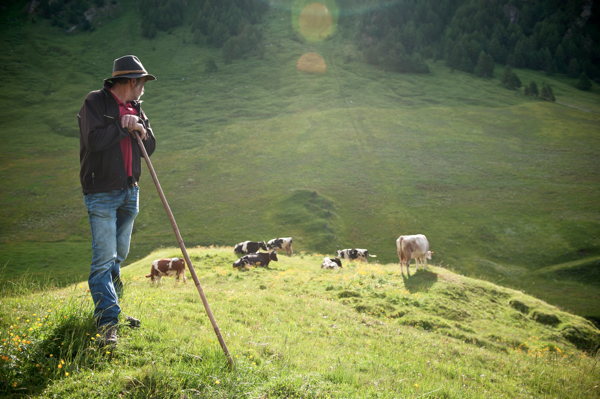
x: 129, y: 66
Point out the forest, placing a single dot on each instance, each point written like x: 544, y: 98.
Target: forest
x: 469, y: 35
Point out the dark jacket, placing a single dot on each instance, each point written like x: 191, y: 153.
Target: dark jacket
x: 100, y: 133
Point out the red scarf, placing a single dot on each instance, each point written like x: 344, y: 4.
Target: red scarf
x: 126, y: 109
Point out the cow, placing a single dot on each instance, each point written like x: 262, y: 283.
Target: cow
x: 167, y: 267
x: 355, y: 253
x: 249, y: 247
x: 257, y: 259
x: 413, y: 247
x: 331, y: 263
x: 284, y: 243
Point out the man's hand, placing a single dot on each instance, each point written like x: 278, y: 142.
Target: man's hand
x: 131, y: 123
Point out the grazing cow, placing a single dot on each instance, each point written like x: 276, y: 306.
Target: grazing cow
x: 331, y: 263
x: 413, y: 247
x: 249, y: 247
x: 355, y: 253
x: 257, y: 259
x: 284, y: 243
x: 167, y: 267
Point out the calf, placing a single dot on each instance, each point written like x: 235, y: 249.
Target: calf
x: 167, y: 267
x: 413, y: 247
x: 248, y: 247
x: 355, y: 253
x: 331, y: 263
x: 284, y: 243
x: 257, y: 259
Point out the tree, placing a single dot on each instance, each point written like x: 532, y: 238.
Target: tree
x: 532, y: 89
x: 584, y: 83
x: 485, y: 65
x: 510, y: 80
x: 547, y: 93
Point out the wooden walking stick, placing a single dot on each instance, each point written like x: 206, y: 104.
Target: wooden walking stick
x: 184, y: 250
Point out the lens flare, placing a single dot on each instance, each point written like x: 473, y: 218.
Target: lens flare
x: 311, y: 63
x: 315, y: 20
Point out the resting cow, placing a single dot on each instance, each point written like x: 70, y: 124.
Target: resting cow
x: 257, y: 259
x: 167, y: 267
x: 248, y: 247
x: 413, y: 247
x: 355, y: 253
x: 331, y: 263
x: 284, y: 243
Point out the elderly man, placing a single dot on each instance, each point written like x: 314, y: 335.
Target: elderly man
x: 110, y: 169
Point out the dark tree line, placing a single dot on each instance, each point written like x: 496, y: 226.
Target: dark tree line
x: 229, y: 24
x: 471, y: 35
x: 68, y: 13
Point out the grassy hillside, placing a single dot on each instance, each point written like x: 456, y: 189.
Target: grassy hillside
x: 297, y: 331
x: 503, y: 185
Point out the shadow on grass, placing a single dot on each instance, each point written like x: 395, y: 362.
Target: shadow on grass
x: 421, y: 281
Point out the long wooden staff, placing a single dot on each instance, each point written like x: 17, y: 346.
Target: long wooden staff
x: 184, y: 250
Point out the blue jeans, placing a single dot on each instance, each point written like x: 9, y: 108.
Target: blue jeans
x: 111, y: 216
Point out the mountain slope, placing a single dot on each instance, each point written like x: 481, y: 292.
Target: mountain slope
x: 492, y: 177
x: 296, y: 330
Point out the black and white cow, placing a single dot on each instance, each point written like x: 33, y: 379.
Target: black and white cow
x: 257, y: 259
x: 331, y: 263
x: 284, y: 243
x: 355, y: 253
x: 248, y: 247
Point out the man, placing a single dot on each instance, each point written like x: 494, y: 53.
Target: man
x: 110, y: 169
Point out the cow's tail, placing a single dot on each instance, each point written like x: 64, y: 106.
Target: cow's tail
x: 148, y: 276
x: 372, y: 256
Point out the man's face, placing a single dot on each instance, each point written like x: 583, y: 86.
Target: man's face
x: 138, y: 88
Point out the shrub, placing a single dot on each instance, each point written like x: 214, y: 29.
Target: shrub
x: 520, y: 306
x: 349, y: 294
x: 584, y: 83
x: 545, y: 318
x: 211, y: 66
x: 583, y: 337
x: 532, y: 89
x: 547, y: 93
x: 510, y: 80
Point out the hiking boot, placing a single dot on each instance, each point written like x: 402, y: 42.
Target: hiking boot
x: 133, y: 322
x: 108, y: 335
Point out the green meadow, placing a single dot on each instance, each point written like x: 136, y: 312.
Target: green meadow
x: 506, y: 188
x: 503, y: 185
x: 295, y: 330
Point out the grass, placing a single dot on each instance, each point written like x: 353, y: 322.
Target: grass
x: 503, y: 185
x: 297, y: 331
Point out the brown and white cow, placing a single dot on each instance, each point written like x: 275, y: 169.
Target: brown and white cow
x: 167, y: 267
x: 413, y: 247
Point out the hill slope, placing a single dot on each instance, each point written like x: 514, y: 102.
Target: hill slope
x: 296, y: 330
x: 501, y: 184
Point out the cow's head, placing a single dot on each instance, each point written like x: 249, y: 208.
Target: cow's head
x: 273, y: 256
x: 263, y: 245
